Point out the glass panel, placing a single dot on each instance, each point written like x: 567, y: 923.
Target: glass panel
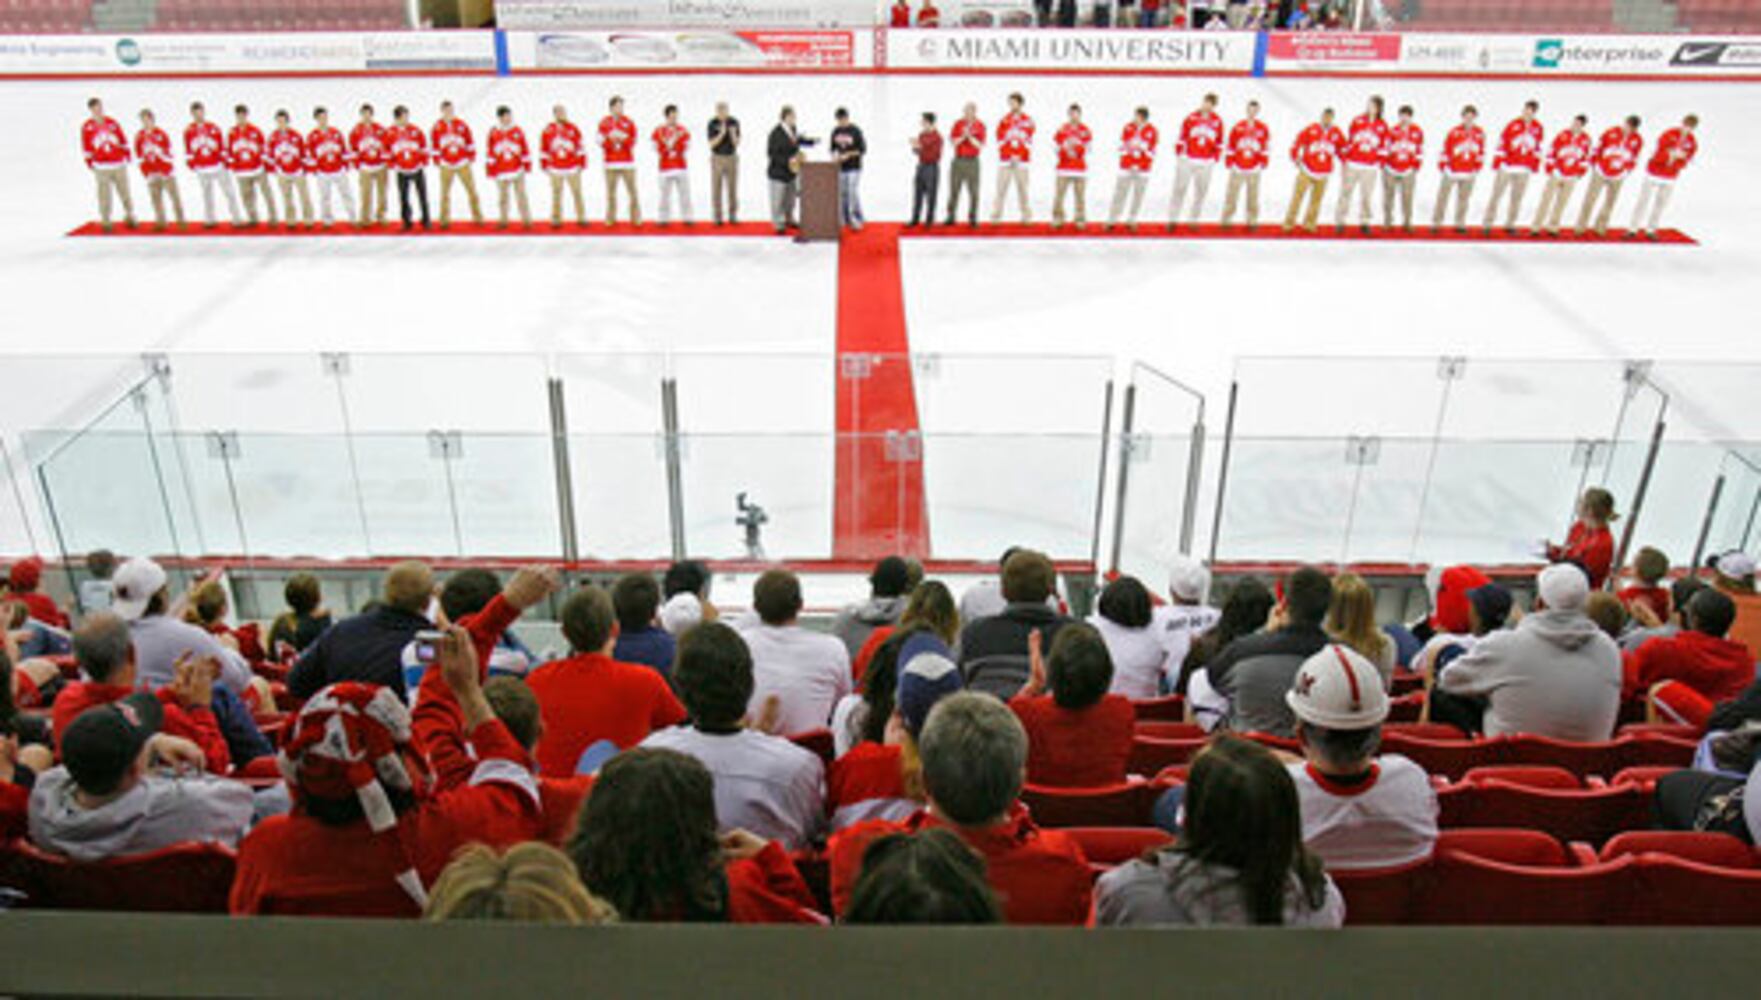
x: 1494, y: 502
x: 102, y: 485
x: 473, y: 393
x: 404, y: 488
x: 1157, y: 463
x: 296, y: 493
x: 1288, y: 498
x: 986, y: 492
x: 505, y: 486
x: 1041, y: 394
x: 756, y: 393
x: 612, y: 393
x: 621, y: 495
x: 788, y: 475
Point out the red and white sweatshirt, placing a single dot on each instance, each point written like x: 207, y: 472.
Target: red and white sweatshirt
x: 245, y: 150
x: 104, y: 142
x: 1249, y: 141
x: 453, y: 147
x: 1405, y: 151
x: 670, y: 142
x: 1201, y: 138
x: 327, y: 152
x: 1570, y: 155
x: 1464, y: 151
x: 1675, y: 150
x: 507, y: 153
x: 409, y: 148
x: 1618, y: 153
x: 1519, y: 147
x: 968, y: 136
x: 153, y: 150
x: 369, y: 142
x: 1368, y: 143
x: 867, y: 783
x: 1317, y: 148
x: 617, y: 140
x: 287, y: 152
x: 1137, y: 147
x: 561, y: 148
x: 1015, y: 138
x: 204, y: 147
x: 1073, y: 141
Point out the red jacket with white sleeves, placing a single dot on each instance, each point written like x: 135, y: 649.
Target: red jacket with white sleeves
x: 1073, y: 141
x: 204, y: 147
x: 327, y: 153
x: 245, y: 150
x: 1464, y: 150
x: 1405, y: 151
x: 1015, y: 138
x: 508, y: 154
x: 369, y: 141
x: 153, y: 149
x: 452, y: 143
x: 617, y: 138
x: 1248, y: 142
x: 1675, y: 150
x: 561, y: 148
x: 287, y: 152
x: 1368, y: 143
x: 409, y: 148
x: 1316, y: 149
x: 1570, y: 155
x: 670, y: 142
x: 104, y: 142
x: 1519, y: 147
x: 1201, y: 137
x: 1137, y: 147
x: 1618, y: 153
x: 967, y: 137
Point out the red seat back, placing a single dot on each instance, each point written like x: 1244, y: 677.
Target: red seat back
x: 1670, y: 729
x: 1407, y: 707
x: 1467, y: 889
x: 1150, y: 756
x: 388, y: 900
x: 1674, y: 891
x: 1645, y: 777
x: 1657, y: 750
x: 183, y: 878
x: 819, y: 741
x: 1169, y: 709
x: 1114, y: 845
x: 1128, y: 804
x: 1380, y: 895
x: 1590, y: 815
x: 1720, y: 850
x: 1439, y: 731
x: 1527, y: 775
x: 1450, y: 758
x: 1511, y: 846
x: 1170, y: 730
x: 1579, y: 758
x: 1405, y: 682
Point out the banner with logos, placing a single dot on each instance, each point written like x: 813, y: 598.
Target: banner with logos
x: 612, y: 51
x: 547, y: 15
x: 288, y: 54
x: 1645, y: 55
x: 1389, y: 54
x: 1074, y: 51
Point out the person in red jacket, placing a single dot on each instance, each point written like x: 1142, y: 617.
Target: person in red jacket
x: 1650, y: 567
x: 1073, y: 140
x: 590, y: 698
x: 1675, y: 150
x: 974, y: 756
x: 617, y: 140
x: 289, y: 161
x: 899, y: 16
x: 1617, y: 154
x: 408, y: 146
x: 1137, y: 157
x: 455, y: 153
x: 1518, y: 159
x: 508, y: 161
x: 1464, y: 154
x: 1315, y: 153
x: 1196, y: 152
x: 1249, y: 141
x: 1590, y: 542
x: 1014, y: 153
x: 1078, y: 736
x: 153, y: 150
x: 328, y: 151
x: 23, y: 579
x: 1365, y: 148
x: 105, y: 146
x: 563, y: 159
x: 368, y: 832
x: 648, y: 844
x: 1400, y: 167
x: 928, y: 16
x: 1700, y: 658
x: 370, y: 142
x: 247, y: 158
x: 204, y: 150
x: 966, y: 136
x: 670, y: 142
x: 1567, y: 160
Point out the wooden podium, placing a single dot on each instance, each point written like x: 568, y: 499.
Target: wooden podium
x: 819, y: 201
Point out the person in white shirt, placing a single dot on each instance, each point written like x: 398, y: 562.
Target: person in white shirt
x: 1358, y: 810
x: 805, y: 672
x: 763, y: 783
x: 1127, y: 624
x: 1186, y: 618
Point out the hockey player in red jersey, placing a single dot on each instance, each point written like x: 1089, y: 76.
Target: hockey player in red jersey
x: 617, y: 140
x: 105, y: 146
x: 1400, y: 167
x: 1196, y: 153
x: 456, y: 155
x: 1316, y: 154
x: 204, y: 150
x: 1365, y: 147
x: 247, y: 156
x: 329, y: 154
x: 1072, y: 140
x: 370, y: 142
x: 670, y: 142
x: 1518, y: 159
x: 1464, y: 154
x: 408, y: 146
x: 1137, y: 156
x: 1616, y: 155
x: 1249, y: 141
x: 509, y: 160
x: 153, y: 152
x: 1014, y: 152
x: 1674, y: 151
x: 288, y: 161
x: 564, y: 158
x: 1567, y: 161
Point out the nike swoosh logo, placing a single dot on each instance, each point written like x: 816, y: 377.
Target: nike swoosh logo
x: 1691, y: 53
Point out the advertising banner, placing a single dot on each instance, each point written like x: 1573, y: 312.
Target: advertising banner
x: 1644, y: 55
x: 544, y: 15
x: 291, y: 53
x: 1075, y: 51
x: 1330, y: 50
x: 611, y: 51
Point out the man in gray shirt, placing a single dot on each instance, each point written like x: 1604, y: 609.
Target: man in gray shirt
x: 1255, y: 671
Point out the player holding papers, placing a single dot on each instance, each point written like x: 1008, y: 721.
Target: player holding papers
x: 1464, y: 153
x: 1400, y: 167
x: 1567, y: 160
x: 329, y: 154
x: 288, y: 159
x: 1196, y: 154
x: 204, y: 151
x: 1675, y: 149
x: 509, y: 161
x: 670, y: 142
x: 1315, y: 153
x: 1073, y: 140
x: 1014, y: 150
x: 455, y: 153
x: 1519, y: 158
x: 153, y: 150
x: 1137, y: 155
x: 1249, y: 141
x: 1364, y: 151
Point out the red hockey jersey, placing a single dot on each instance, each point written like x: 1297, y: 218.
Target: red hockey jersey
x: 245, y: 150
x: 1570, y: 155
x: 561, y: 148
x: 1015, y: 138
x: 670, y: 142
x: 1316, y: 149
x: 370, y: 142
x: 287, y: 152
x: 1368, y: 143
x: 1137, y: 147
x: 1405, y: 150
x: 1618, y: 153
x: 617, y: 138
x: 153, y: 150
x: 452, y: 143
x: 1073, y: 141
x: 409, y: 148
x: 508, y: 153
x: 204, y: 147
x: 1249, y: 141
x: 1464, y: 150
x: 1675, y: 150
x: 1201, y: 137
x: 104, y: 142
x: 327, y: 152
x: 1519, y: 147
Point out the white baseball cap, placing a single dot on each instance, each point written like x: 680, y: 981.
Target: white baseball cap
x: 1337, y: 688
x: 1563, y: 587
x: 1735, y: 564
x: 680, y: 612
x: 134, y: 584
x: 1188, y: 579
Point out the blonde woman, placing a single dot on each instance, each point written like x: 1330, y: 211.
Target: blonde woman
x: 530, y: 882
x: 1351, y: 621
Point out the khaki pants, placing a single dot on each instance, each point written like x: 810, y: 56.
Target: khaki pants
x: 673, y: 183
x: 335, y: 184
x: 1397, y: 189
x: 1607, y: 190
x: 1311, y: 188
x: 963, y: 175
x: 1514, y: 181
x: 1193, y: 174
x: 158, y: 188
x: 1239, y: 181
x: 516, y: 184
x: 1463, y: 189
x: 1553, y: 198
x: 249, y: 187
x: 222, y: 179
x: 1128, y: 197
x: 724, y: 186
x: 1654, y: 195
x: 375, y: 192
x: 625, y: 176
x: 466, y: 180
x: 572, y: 181
x: 290, y: 185
x: 1078, y: 187
x: 1011, y: 173
x: 113, y: 185
x: 1361, y: 182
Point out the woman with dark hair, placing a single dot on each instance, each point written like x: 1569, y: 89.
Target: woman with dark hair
x: 879, y: 775
x: 1125, y: 617
x: 1079, y: 735
x: 647, y: 843
x: 1245, y: 611
x: 862, y: 717
x: 931, y: 607
x: 1239, y: 859
x: 304, y: 621
x: 930, y: 877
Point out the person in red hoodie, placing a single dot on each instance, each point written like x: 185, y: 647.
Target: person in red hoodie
x: 369, y: 831
x: 1079, y: 736
x: 974, y: 763
x: 1701, y: 658
x: 1590, y: 543
x: 25, y: 577
x: 648, y: 844
x: 1650, y: 566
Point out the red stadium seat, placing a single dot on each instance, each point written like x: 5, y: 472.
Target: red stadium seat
x: 1406, y: 682
x: 1469, y: 889
x: 1677, y: 892
x: 1169, y: 709
x: 1644, y: 777
x: 1719, y: 850
x: 1407, y: 707
x: 1579, y: 758
x: 1527, y: 775
x: 1656, y: 750
x: 1151, y: 756
x: 1380, y: 895
x: 184, y: 878
x: 1128, y: 804
x: 817, y: 740
x: 1591, y: 815
x: 1670, y: 729
x: 1450, y: 758
x: 1157, y: 730
x: 1439, y: 731
x: 1107, y: 846
x: 388, y: 900
x: 1511, y: 846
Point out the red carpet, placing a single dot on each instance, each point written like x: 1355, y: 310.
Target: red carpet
x: 395, y: 228
x: 880, y: 508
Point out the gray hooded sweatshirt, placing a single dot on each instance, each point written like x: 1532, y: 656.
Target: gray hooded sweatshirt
x: 1555, y: 675
x: 858, y: 621
x: 157, y: 812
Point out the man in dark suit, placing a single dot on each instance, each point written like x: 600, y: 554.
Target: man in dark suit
x: 785, y: 167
